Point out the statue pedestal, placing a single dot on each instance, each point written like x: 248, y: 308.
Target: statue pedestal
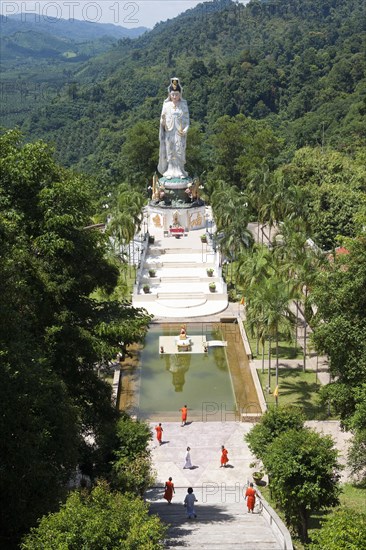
x: 175, y: 192
x: 165, y: 217
x: 175, y: 183
x: 176, y: 203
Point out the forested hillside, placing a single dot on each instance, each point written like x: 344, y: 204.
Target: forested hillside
x: 72, y: 29
x: 38, y: 56
x: 277, y: 98
x: 297, y: 65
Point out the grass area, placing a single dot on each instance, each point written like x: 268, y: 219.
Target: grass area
x: 295, y: 388
x: 107, y: 378
x: 353, y: 497
x: 124, y: 288
x: 286, y: 349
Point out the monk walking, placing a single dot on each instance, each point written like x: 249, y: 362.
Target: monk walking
x: 159, y: 433
x: 250, y: 498
x: 189, y: 501
x: 184, y: 412
x: 169, y: 490
x: 224, y: 457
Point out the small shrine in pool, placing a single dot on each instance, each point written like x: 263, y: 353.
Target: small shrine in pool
x: 187, y: 343
x: 175, y: 197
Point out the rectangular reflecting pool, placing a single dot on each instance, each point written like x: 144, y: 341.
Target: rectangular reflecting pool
x: 203, y: 381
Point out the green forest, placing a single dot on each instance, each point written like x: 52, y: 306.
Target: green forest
x: 277, y: 98
x: 298, y: 67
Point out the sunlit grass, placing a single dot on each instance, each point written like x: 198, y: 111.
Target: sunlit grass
x: 286, y: 349
x: 296, y: 388
x: 352, y: 496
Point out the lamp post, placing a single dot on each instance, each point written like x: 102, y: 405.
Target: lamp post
x: 144, y: 223
x: 136, y: 262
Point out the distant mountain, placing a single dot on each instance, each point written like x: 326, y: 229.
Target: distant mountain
x: 73, y: 29
x: 32, y: 46
x: 32, y: 43
x: 38, y: 58
x: 299, y: 66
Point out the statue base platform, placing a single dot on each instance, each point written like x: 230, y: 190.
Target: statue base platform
x: 175, y: 183
x: 176, y: 204
x: 176, y: 193
x: 187, y: 216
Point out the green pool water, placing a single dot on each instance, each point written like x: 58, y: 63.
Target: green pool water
x: 169, y: 381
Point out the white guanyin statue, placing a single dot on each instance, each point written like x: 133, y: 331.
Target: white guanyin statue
x: 174, y: 124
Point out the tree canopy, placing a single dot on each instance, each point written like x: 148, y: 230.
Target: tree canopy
x: 101, y: 519
x: 296, y: 67
x: 56, y: 411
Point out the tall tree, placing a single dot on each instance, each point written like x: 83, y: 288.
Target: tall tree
x: 303, y: 469
x: 340, y: 297
x: 273, y: 423
x: 52, y: 334
x: 300, y: 260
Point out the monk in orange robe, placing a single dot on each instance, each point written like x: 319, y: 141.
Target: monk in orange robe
x: 224, y: 457
x: 159, y: 433
x: 250, y: 497
x: 169, y: 490
x: 184, y: 412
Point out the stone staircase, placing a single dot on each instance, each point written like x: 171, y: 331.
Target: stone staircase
x: 222, y: 519
x: 180, y: 277
x: 219, y: 525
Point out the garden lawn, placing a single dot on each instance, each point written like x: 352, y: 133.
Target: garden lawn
x: 297, y: 388
x: 353, y: 496
x: 286, y: 349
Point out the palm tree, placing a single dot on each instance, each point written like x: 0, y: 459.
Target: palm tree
x: 121, y: 230
x: 257, y: 193
x: 253, y: 265
x: 300, y: 263
x: 270, y: 306
x: 235, y: 239
x: 225, y: 199
x: 131, y: 201
x: 230, y: 209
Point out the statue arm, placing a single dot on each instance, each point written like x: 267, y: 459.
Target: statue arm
x: 163, y: 121
x: 185, y: 118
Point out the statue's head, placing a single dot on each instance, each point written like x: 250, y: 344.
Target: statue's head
x: 175, y: 90
x: 175, y: 85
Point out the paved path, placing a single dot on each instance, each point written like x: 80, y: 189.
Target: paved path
x: 219, y: 526
x: 222, y: 519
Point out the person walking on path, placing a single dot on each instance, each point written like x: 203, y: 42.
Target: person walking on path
x: 224, y: 457
x: 169, y: 490
x: 189, y: 501
x: 188, y: 462
x: 250, y: 495
x: 184, y: 411
x: 159, y: 433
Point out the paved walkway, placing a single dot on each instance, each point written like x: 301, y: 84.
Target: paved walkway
x: 219, y: 525
x: 222, y: 519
